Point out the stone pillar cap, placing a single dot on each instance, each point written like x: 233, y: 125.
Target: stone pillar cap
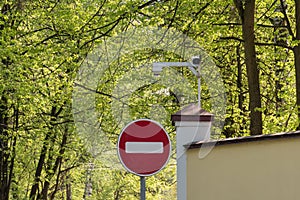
x: 192, y: 113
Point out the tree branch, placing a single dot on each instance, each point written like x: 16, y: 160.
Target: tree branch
x: 147, y: 4
x: 240, y: 8
x: 232, y: 38
x: 288, y: 24
x: 274, y: 45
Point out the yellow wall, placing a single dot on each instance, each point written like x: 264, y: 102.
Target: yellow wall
x: 260, y: 170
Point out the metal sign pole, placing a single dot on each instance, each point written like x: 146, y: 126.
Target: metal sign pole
x: 199, y: 87
x: 143, y: 188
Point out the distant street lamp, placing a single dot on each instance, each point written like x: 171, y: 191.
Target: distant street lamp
x: 193, y: 65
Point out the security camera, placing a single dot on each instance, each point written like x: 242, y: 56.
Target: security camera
x: 196, y: 60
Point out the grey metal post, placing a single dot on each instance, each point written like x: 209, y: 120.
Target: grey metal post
x: 143, y: 188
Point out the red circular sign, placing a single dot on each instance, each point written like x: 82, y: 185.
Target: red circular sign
x: 144, y: 147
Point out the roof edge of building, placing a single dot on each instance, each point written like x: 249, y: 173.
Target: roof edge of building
x: 254, y: 138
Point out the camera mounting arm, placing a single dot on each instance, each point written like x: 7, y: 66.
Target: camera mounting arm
x: 158, y: 67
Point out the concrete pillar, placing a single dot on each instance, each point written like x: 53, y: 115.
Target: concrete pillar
x: 192, y: 125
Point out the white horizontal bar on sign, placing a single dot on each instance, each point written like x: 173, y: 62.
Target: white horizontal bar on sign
x: 144, y: 147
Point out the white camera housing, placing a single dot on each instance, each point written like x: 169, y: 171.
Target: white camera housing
x: 196, y: 60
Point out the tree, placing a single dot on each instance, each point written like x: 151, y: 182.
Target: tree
x: 246, y: 11
x: 296, y: 51
x: 43, y: 45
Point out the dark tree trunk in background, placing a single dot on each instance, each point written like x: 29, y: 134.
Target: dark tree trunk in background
x: 40, y: 166
x: 296, y: 51
x: 4, y: 138
x: 4, y: 151
x: 246, y: 11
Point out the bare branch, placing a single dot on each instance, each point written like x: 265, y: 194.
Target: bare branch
x: 240, y: 8
x: 288, y: 24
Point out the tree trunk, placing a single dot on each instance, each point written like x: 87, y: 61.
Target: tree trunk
x: 246, y: 12
x: 68, y: 188
x: 52, y: 168
x: 4, y: 151
x: 39, y: 169
x: 296, y: 51
x: 4, y: 138
x: 239, y: 80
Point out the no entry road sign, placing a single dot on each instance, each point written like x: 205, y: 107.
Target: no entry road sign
x: 144, y: 147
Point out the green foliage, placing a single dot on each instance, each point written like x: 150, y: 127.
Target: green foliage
x: 42, y: 45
